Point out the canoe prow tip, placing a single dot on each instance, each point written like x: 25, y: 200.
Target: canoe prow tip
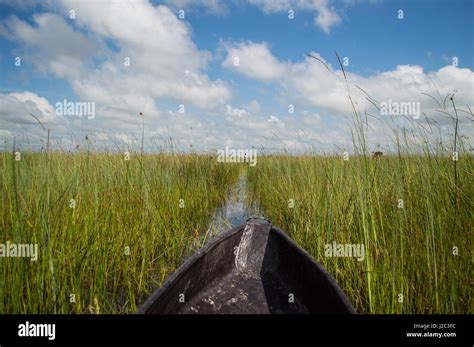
x: 258, y: 220
x: 252, y: 246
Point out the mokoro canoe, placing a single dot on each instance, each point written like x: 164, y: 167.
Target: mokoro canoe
x: 254, y: 268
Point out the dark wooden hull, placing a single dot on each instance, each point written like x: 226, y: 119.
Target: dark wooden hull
x: 254, y: 268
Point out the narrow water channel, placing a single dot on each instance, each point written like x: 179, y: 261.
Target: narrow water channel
x: 234, y: 211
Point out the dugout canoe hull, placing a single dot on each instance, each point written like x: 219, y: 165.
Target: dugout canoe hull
x: 254, y: 268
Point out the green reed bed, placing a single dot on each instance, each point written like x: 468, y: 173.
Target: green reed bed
x: 127, y: 232
x: 409, y: 265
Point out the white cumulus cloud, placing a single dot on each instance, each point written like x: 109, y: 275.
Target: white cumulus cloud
x: 253, y: 60
x: 325, y: 18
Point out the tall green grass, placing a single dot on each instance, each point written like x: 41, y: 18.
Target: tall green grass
x: 409, y: 250
x: 120, y: 205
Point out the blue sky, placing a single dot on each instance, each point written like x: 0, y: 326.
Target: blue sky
x: 430, y: 31
x: 189, y: 62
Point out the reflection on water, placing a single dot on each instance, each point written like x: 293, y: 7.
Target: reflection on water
x: 235, y: 211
